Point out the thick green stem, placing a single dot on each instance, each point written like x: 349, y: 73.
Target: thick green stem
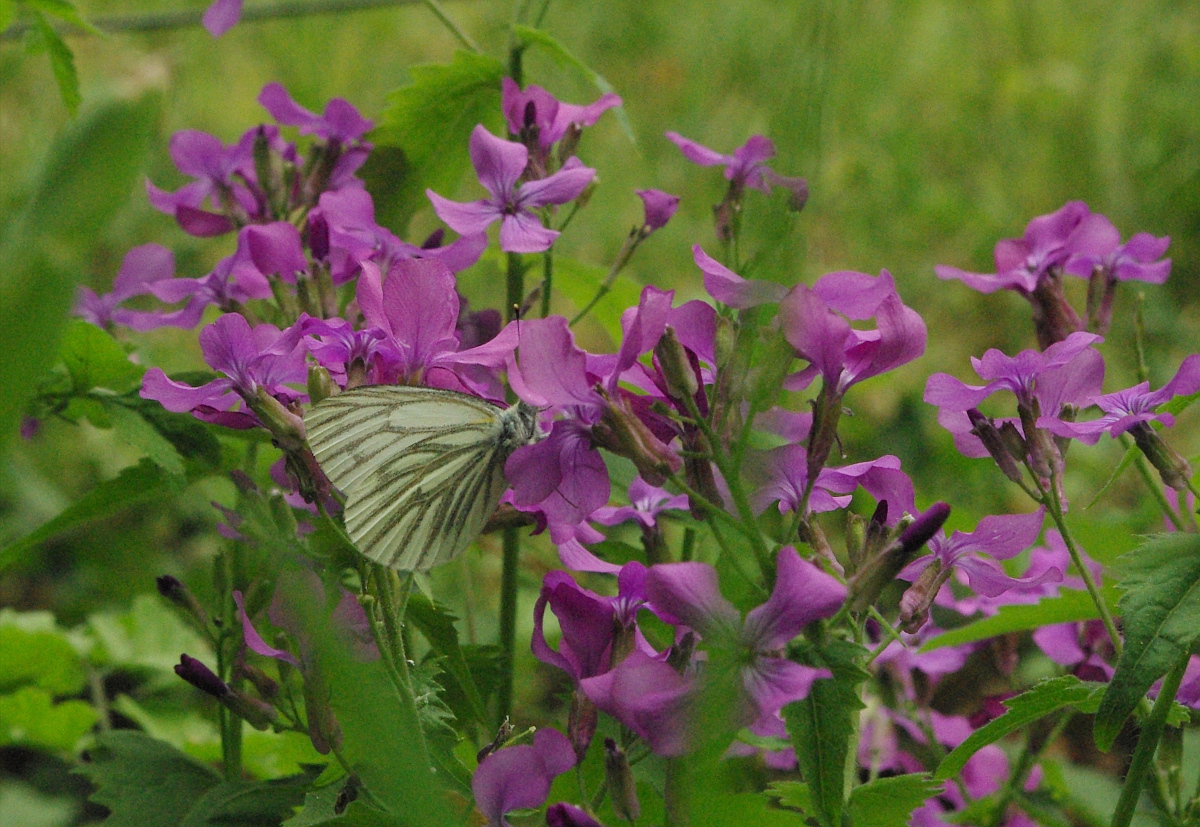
x: 508, y: 618
x: 1143, y: 754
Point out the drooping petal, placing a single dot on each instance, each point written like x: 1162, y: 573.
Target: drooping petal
x: 729, y: 288
x: 803, y: 593
x: 254, y: 640
x: 688, y: 594
x: 697, y: 153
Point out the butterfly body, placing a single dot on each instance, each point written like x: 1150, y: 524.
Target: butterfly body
x: 422, y: 469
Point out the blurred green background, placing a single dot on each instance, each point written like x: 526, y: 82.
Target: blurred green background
x: 927, y: 131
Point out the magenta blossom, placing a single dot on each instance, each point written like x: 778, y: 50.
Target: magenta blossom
x: 222, y: 16
x: 142, y: 270
x: 686, y: 594
x: 1096, y: 245
x: 518, y: 777
x: 659, y: 207
x: 785, y: 472
x: 730, y: 289
x: 646, y: 502
x: 535, y: 107
x: 746, y: 167
x: 262, y: 358
x: 499, y: 165
x: 340, y: 121
x: 650, y: 697
x: 816, y: 321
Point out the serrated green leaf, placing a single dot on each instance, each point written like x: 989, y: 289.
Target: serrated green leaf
x: 90, y: 171
x: 1035, y: 703
x: 888, y: 802
x: 148, y: 636
x: 144, y: 782
x: 45, y: 659
x: 1070, y: 606
x: 29, y: 717
x: 430, y: 122
x: 1160, y: 610
x: 94, y: 359
x: 562, y: 56
x: 137, y: 484
x: 190, y: 437
x: 132, y: 429
x: 436, y: 623
x: 792, y: 794
x: 820, y: 726
x: 62, y: 62
x: 250, y: 804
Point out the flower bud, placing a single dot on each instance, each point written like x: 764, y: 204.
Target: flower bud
x: 623, y: 433
x: 201, y: 677
x: 917, y: 600
x: 1174, y: 469
x: 569, y: 142
x: 318, y: 235
x: 285, y: 426
x: 581, y: 724
x: 320, y: 384
x: 622, y: 790
x: 989, y: 435
x: 266, y: 686
x: 173, y: 590
x: 563, y: 814
x: 878, y: 572
x: 659, y: 208
x: 676, y: 367
x: 256, y: 713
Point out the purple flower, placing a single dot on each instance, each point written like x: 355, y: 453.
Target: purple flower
x: 785, y: 472
x: 1000, y: 537
x: 340, y: 122
x: 142, y: 270
x: 1096, y: 245
x: 200, y: 676
x: 358, y: 357
x: 1085, y: 648
x: 222, y: 16
x: 518, y: 778
x: 687, y: 594
x: 730, y: 289
x: 1124, y: 409
x: 499, y: 165
x: 1021, y: 262
x: 250, y: 359
x: 535, y: 107
x: 659, y: 208
x: 563, y: 814
x: 649, y: 697
x: 816, y: 322
x: 746, y: 167
x: 254, y: 640
x: 645, y: 503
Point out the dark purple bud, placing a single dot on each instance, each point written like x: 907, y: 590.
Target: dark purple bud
x: 242, y: 481
x: 924, y: 527
x: 434, y: 240
x: 990, y: 436
x: 530, y: 118
x: 880, y: 570
x: 563, y: 814
x: 1174, y: 469
x: 174, y: 591
x: 622, y: 790
x: 318, y: 235
x: 871, y: 541
x: 659, y: 208
x: 170, y: 588
x: 679, y: 656
x: 201, y: 677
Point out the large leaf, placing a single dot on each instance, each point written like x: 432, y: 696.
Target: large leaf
x: 29, y: 717
x: 138, y: 484
x: 888, y: 802
x: 250, y: 804
x: 822, y: 724
x: 1070, y: 606
x: 90, y: 172
x: 94, y: 359
x: 45, y: 659
x: 149, y: 636
x: 436, y: 623
x: 1161, y: 613
x: 430, y: 122
x: 1046, y: 697
x: 580, y: 282
x: 144, y: 782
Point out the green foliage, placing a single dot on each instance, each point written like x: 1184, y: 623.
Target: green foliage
x: 136, y: 485
x: 89, y: 173
x: 150, y: 636
x: 1047, y: 697
x: 579, y: 282
x: 714, y: 807
x: 44, y: 658
x: 429, y: 122
x: 94, y: 359
x: 29, y: 717
x: 888, y: 802
x: 1161, y: 613
x: 792, y: 794
x: 821, y: 726
x: 436, y: 623
x: 1070, y: 606
x: 62, y: 62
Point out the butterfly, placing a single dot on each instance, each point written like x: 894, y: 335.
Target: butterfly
x: 422, y: 468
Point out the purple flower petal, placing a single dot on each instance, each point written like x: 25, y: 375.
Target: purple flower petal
x: 729, y: 288
x: 697, y: 153
x: 803, y: 593
x: 498, y: 163
x: 688, y: 594
x: 772, y: 683
x: 468, y: 219
x: 559, y: 188
x: 658, y: 206
x: 222, y: 16
x: 519, y: 777
x: 522, y: 232
x: 254, y: 640
x: 649, y: 697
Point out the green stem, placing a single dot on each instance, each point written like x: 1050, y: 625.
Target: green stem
x: 891, y: 634
x: 440, y: 13
x: 390, y: 608
x: 508, y: 618
x: 514, y: 285
x: 1143, y: 754
x: 547, y: 281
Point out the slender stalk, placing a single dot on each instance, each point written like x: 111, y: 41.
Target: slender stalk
x: 891, y: 634
x: 547, y: 281
x: 390, y: 607
x: 1025, y: 763
x: 508, y: 618
x: 447, y: 21
x: 1143, y: 754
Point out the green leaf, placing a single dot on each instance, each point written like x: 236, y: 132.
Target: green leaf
x: 436, y: 623
x: 63, y: 11
x: 62, y: 63
x: 94, y: 359
x: 192, y: 438
x: 1044, y: 698
x: 792, y: 794
x: 1160, y: 610
x: 888, y: 802
x: 133, y: 429
x: 45, y: 659
x: 29, y: 717
x: 90, y: 172
x: 1070, y: 606
x: 822, y: 724
x: 715, y: 807
x: 562, y: 56
x: 264, y: 803
x: 430, y: 122
x: 144, y: 782
x: 136, y: 485
x: 148, y: 636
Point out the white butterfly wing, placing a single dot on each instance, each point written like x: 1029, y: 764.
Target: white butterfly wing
x: 422, y: 469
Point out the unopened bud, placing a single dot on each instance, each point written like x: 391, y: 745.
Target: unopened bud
x: 320, y: 384
x: 878, y: 572
x: 679, y: 656
x: 623, y: 433
x: 318, y: 235
x: 622, y: 790
x: 568, y: 143
x: 173, y: 590
x: 256, y: 713
x: 503, y: 733
x: 201, y: 677
x: 917, y: 600
x: 675, y: 365
x: 434, y: 239
x: 1175, y: 471
x: 659, y: 208
x: 266, y: 686
x: 285, y: 426
x: 989, y: 435
x: 581, y: 724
